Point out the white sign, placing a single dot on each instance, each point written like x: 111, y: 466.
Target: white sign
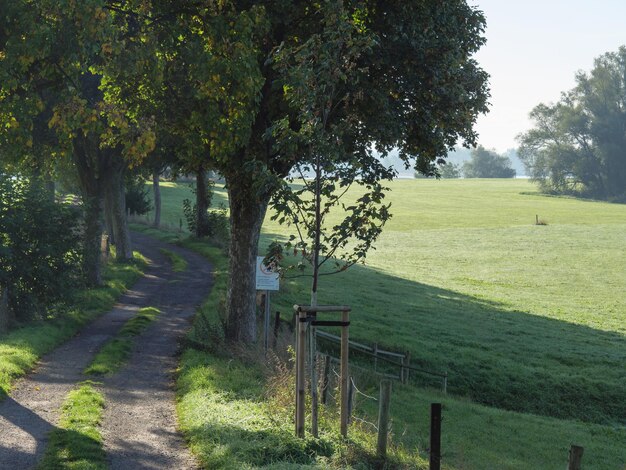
x: 266, y: 279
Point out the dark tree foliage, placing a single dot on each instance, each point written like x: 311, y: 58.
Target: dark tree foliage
x: 136, y: 194
x: 487, y: 164
x: 578, y: 145
x: 39, y: 248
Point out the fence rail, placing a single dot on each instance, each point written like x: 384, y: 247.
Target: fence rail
x: 402, y: 360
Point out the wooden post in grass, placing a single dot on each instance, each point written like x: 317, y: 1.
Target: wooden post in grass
x: 383, y: 417
x: 435, y: 436
x: 304, y: 318
x: 300, y: 368
x: 345, y: 349
x: 575, y: 458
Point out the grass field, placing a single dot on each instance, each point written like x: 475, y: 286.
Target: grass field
x: 464, y: 280
x: 530, y: 318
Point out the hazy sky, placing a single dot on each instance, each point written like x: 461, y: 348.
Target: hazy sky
x: 534, y: 48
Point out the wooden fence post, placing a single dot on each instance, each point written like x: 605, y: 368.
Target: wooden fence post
x: 300, y: 369
x: 435, y: 436
x: 575, y: 458
x: 383, y: 417
x: 345, y: 351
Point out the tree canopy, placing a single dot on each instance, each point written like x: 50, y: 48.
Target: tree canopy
x: 487, y: 164
x: 252, y: 89
x: 578, y: 145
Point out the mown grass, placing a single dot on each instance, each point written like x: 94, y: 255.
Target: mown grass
x: 21, y: 349
x: 77, y: 443
x: 464, y: 280
x: 172, y: 197
x: 114, y: 354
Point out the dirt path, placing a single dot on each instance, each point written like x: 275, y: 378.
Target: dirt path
x: 139, y: 425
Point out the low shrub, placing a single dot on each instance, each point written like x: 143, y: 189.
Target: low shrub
x: 39, y: 242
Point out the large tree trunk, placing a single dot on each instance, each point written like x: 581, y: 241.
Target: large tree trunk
x: 88, y: 162
x: 108, y: 220
x: 247, y: 212
x: 157, y: 198
x: 92, y: 240
x: 202, y: 204
x: 116, y: 209
x: 5, y: 312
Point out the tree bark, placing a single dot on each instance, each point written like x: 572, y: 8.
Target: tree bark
x: 92, y: 240
x: 108, y: 220
x: 5, y: 317
x: 116, y: 209
x: 247, y: 211
x: 202, y: 204
x: 88, y: 161
x: 157, y: 198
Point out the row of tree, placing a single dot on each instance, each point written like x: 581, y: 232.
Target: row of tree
x: 255, y: 90
x: 578, y: 145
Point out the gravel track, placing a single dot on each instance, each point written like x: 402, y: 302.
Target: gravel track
x: 139, y: 425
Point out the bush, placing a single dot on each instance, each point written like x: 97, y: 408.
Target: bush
x: 39, y: 254
x: 137, y: 197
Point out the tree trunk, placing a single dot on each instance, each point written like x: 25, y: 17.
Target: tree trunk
x: 247, y: 211
x: 116, y: 208
x: 108, y: 219
x: 50, y: 187
x: 202, y: 204
x: 92, y: 240
x: 157, y: 198
x: 88, y: 163
x: 5, y: 318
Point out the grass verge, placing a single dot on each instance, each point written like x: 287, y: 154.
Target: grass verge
x: 21, y: 349
x: 116, y: 351
x: 236, y: 413
x: 179, y: 263
x: 76, y: 443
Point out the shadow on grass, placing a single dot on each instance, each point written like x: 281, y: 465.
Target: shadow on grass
x: 502, y: 358
x: 72, y: 449
x: 61, y: 446
x: 228, y: 445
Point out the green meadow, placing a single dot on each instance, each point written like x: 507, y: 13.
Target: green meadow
x: 525, y: 318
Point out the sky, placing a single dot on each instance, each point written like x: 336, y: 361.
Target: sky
x: 534, y: 49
